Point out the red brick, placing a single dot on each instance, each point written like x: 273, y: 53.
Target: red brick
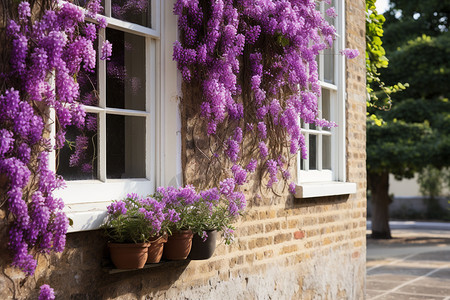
x: 299, y: 234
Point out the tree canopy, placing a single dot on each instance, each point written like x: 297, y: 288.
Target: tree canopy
x: 415, y: 132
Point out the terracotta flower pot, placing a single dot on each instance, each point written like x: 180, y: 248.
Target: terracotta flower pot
x: 203, y: 249
x: 155, y: 250
x: 178, y: 245
x: 128, y: 256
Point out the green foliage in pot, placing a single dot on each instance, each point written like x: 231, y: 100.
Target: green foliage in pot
x: 135, y: 220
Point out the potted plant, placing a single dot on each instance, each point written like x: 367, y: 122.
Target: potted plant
x: 214, y: 211
x: 127, y: 229
x: 155, y: 212
x: 178, y: 205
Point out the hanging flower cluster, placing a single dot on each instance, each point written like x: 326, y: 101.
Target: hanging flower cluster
x: 256, y: 64
x: 46, y: 56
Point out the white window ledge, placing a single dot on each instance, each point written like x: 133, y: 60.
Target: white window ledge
x: 323, y: 189
x: 86, y: 216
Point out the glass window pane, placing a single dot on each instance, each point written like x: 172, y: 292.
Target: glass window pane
x: 312, y: 152
x: 329, y: 53
x: 318, y: 64
x: 326, y: 107
x: 135, y: 11
x: 326, y: 152
x: 125, y: 147
x: 328, y: 68
x: 88, y: 88
x: 125, y: 80
x: 77, y: 160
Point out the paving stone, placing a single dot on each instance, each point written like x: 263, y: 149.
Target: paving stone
x: 373, y: 263
x: 443, y: 273
x: 400, y: 270
x: 434, y: 280
x: 407, y: 258
x: 371, y: 294
x: 391, y: 277
x: 415, y: 288
x: 440, y: 256
x: 402, y: 296
x: 381, y: 285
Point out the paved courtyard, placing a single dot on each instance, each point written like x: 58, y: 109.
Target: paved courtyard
x: 414, y: 265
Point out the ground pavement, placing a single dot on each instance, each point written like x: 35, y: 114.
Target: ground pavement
x: 414, y: 265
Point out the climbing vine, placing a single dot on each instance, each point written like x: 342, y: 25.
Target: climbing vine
x: 254, y: 63
x: 46, y: 54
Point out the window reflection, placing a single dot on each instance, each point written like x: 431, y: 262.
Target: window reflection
x: 77, y: 160
x: 312, y: 152
x: 133, y: 11
x: 125, y: 81
x: 125, y: 146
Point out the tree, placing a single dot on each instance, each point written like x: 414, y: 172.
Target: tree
x: 414, y: 133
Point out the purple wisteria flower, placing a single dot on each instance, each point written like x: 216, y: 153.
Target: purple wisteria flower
x: 46, y: 293
x: 94, y: 7
x: 213, y: 49
x: 263, y: 151
x: 350, y: 53
x: 240, y: 175
x: 262, y: 130
x: 102, y: 23
x: 251, y: 166
x: 58, y: 45
x: 81, y: 144
x: 331, y: 12
x: 232, y: 150
x: 292, y: 188
x: 90, y: 32
x: 227, y: 186
x: 106, y: 50
x: 272, y: 168
x: 6, y: 141
x: 24, y: 12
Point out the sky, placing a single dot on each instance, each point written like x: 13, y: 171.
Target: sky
x: 382, y: 6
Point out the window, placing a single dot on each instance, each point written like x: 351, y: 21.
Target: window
x: 323, y: 172
x: 129, y: 131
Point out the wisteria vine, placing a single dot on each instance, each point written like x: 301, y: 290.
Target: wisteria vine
x: 47, y: 54
x: 255, y: 64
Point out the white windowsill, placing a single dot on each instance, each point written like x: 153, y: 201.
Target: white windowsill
x: 86, y: 216
x: 323, y: 189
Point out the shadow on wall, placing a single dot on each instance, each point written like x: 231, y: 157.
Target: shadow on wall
x: 79, y: 273
x: 293, y: 203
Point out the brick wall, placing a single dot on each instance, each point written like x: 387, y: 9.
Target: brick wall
x: 285, y: 248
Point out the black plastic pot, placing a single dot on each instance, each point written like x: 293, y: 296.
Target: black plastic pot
x: 203, y: 249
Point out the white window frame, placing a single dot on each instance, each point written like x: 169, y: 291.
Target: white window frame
x: 320, y: 182
x: 86, y: 200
